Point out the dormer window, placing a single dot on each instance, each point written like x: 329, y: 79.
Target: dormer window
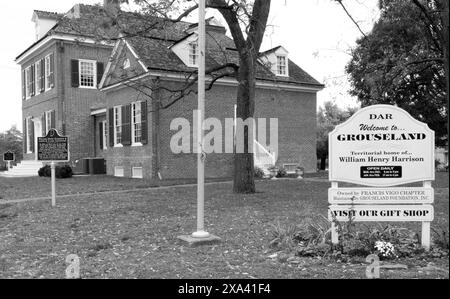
x: 193, y: 54
x: 281, y: 66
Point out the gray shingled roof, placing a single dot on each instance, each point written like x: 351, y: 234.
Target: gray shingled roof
x: 153, y: 44
x: 47, y: 14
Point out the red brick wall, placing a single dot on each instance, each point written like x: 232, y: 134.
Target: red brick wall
x: 297, y: 131
x: 72, y: 105
x: 129, y: 156
x: 78, y: 101
x: 37, y: 105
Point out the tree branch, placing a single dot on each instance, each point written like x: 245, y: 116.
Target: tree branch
x: 351, y: 18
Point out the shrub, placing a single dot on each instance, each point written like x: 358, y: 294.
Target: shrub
x: 440, y: 237
x: 45, y: 171
x: 283, y: 237
x: 259, y: 173
x: 61, y: 172
x: 64, y: 172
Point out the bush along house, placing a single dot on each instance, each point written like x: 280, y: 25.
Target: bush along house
x: 60, y: 74
x: 145, y: 86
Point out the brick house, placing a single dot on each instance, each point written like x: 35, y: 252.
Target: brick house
x: 60, y: 73
x: 143, y: 75
x: 107, y: 97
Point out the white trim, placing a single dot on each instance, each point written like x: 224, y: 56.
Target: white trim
x: 119, y: 171
x: 137, y: 144
x: 27, y: 91
x: 47, y: 71
x: 223, y: 81
x: 37, y: 78
x: 286, y: 65
x: 133, y: 133
x: 133, y: 169
x: 135, y: 55
x: 65, y: 37
x: 109, y: 64
x: 98, y: 112
x: 126, y: 63
x: 37, y: 127
x: 105, y: 135
x: 48, y: 114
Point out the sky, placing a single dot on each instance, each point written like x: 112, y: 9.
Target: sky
x: 317, y: 33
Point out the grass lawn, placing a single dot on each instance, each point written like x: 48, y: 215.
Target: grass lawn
x: 134, y: 235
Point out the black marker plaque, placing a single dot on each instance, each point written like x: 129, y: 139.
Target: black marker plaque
x: 53, y: 148
x: 8, y: 157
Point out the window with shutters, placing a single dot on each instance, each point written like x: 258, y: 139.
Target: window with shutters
x: 118, y: 126
x: 49, y: 71
x: 88, y: 73
x: 136, y: 119
x: 29, y: 131
x: 28, y: 83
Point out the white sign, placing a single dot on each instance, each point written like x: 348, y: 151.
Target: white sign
x: 388, y: 213
x: 381, y: 146
x: 380, y: 195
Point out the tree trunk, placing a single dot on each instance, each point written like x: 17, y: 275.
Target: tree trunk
x: 244, y: 181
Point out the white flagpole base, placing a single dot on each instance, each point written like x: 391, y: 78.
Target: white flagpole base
x: 201, y: 235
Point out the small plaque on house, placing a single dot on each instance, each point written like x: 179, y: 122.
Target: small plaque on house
x: 8, y: 157
x: 53, y: 147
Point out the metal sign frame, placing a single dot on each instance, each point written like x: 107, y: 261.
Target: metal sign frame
x: 53, y: 134
x: 13, y: 155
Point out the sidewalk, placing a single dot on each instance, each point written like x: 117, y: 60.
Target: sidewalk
x: 109, y: 192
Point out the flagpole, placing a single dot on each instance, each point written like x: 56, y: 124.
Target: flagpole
x: 201, y: 233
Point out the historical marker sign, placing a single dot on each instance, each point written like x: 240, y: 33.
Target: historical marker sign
x: 9, y: 157
x: 53, y: 148
x: 382, y: 145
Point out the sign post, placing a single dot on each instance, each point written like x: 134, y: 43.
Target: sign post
x: 381, y: 147
x: 51, y: 149
x: 9, y: 157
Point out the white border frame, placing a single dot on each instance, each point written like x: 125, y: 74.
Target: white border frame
x: 333, y: 178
